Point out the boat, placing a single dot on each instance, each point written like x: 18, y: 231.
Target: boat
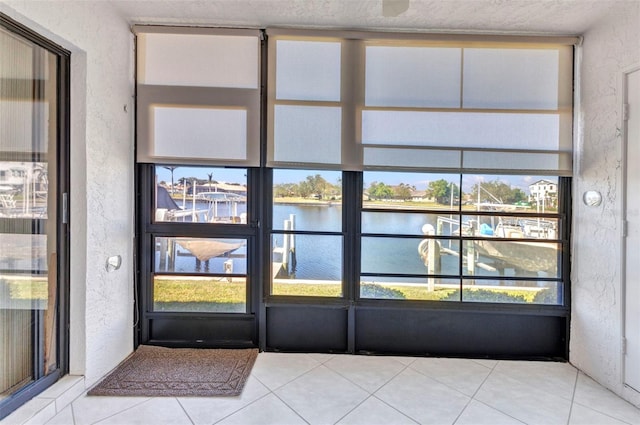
x: 168, y: 210
x: 203, y: 249
x: 206, y: 249
x: 498, y: 248
x: 524, y: 256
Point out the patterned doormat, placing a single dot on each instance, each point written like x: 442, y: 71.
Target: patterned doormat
x: 186, y: 372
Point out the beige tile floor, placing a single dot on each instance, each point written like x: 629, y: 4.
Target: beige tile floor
x: 344, y: 389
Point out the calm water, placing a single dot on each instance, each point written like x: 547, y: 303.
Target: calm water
x: 320, y: 256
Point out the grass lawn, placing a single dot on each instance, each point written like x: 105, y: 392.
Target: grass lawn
x: 221, y: 291
x: 216, y: 294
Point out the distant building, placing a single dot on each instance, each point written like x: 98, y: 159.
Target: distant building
x: 418, y: 195
x: 543, y: 190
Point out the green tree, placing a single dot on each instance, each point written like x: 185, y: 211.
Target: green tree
x: 380, y: 191
x: 318, y: 185
x: 171, y: 168
x: 403, y: 191
x: 440, y: 190
x: 498, y: 192
x: 304, y: 189
x: 284, y: 190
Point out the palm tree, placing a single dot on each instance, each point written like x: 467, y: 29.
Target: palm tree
x: 210, y: 178
x: 171, y: 168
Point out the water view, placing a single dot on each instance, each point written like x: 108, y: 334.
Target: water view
x: 396, y: 238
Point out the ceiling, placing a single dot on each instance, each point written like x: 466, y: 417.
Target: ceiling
x: 566, y: 17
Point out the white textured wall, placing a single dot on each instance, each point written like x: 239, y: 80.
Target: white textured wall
x: 101, y: 174
x: 610, y: 47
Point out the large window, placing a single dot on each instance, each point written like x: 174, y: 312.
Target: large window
x: 460, y: 160
x: 476, y: 238
x: 205, y: 272
x: 307, y: 240
x: 198, y: 149
x: 381, y: 180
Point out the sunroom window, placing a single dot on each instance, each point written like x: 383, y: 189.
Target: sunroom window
x: 462, y: 162
x: 198, y: 139
x: 307, y: 240
x: 475, y: 238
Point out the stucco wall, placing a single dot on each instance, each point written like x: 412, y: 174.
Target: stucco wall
x: 609, y: 48
x: 101, y: 174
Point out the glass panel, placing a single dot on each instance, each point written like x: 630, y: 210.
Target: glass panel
x: 412, y: 288
x: 23, y: 189
x: 310, y: 134
x: 511, y: 78
x: 23, y: 252
x: 16, y: 129
x: 413, y: 76
x: 201, y: 194
x: 520, y: 291
x: 395, y: 190
x: 308, y: 70
x: 28, y: 257
x: 184, y: 132
x: 409, y: 223
x: 200, y: 294
x: 528, y: 194
x: 201, y: 255
x: 198, y: 60
x: 24, y: 291
x: 409, y: 256
x: 461, y: 129
x: 510, y: 227
x: 495, y: 257
x: 306, y: 265
x: 309, y: 200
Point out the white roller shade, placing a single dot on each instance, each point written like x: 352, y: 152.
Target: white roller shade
x: 406, y: 103
x: 198, y: 96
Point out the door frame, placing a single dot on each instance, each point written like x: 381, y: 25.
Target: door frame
x: 61, y: 199
x: 623, y: 124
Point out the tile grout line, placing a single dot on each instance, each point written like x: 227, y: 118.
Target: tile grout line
x: 361, y: 387
x: 121, y: 411
x: 243, y: 407
x: 73, y: 413
x: 371, y: 394
x: 595, y: 409
x: 603, y: 413
x: 444, y: 383
x: 293, y: 379
x: 185, y: 411
x: 406, y: 366
x: 573, y: 397
x: 473, y: 397
x: 273, y: 391
x: 292, y: 409
x: 307, y: 372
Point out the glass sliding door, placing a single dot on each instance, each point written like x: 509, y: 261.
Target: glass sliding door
x: 30, y: 254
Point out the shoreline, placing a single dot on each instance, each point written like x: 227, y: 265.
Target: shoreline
x: 394, y: 204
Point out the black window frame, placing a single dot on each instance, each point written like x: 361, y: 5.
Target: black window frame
x: 148, y: 229
x: 62, y: 201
